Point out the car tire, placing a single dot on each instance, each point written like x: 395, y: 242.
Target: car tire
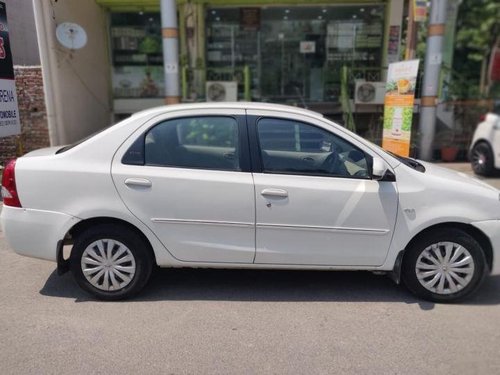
x: 111, y: 262
x: 481, y: 158
x: 446, y: 265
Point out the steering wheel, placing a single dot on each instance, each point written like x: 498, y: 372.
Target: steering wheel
x: 333, y: 165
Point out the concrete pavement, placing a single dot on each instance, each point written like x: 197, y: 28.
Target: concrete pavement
x: 232, y: 322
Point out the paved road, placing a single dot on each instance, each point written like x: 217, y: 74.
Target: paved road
x: 232, y: 322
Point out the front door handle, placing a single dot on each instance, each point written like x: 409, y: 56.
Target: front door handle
x: 142, y: 182
x: 277, y: 193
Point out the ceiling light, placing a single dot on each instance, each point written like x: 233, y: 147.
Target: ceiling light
x: 362, y: 10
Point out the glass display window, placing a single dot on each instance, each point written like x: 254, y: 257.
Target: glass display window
x: 137, y: 55
x: 295, y: 53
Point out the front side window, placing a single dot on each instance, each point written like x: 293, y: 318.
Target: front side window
x: 195, y: 142
x: 298, y: 148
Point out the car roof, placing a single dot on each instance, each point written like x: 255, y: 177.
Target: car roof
x: 229, y: 105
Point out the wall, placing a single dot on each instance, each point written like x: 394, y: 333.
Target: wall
x: 77, y: 83
x: 22, y: 32
x: 33, y: 115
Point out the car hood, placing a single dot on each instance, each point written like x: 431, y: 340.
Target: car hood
x: 444, y: 195
x: 455, y: 176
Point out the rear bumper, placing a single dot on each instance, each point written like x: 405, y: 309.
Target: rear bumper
x: 35, y: 233
x: 491, y: 228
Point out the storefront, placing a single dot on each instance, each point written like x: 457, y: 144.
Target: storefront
x: 311, y: 54
x: 272, y: 51
x: 294, y: 54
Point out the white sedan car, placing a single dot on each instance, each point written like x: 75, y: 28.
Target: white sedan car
x: 485, y: 145
x: 247, y: 185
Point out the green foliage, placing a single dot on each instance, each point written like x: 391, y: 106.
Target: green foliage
x: 478, y: 26
x: 215, y: 132
x: 150, y: 45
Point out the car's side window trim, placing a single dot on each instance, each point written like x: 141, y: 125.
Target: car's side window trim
x: 243, y: 147
x: 256, y: 151
x: 253, y: 139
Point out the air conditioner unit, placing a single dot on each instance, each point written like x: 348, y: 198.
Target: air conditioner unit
x: 222, y: 91
x: 369, y: 92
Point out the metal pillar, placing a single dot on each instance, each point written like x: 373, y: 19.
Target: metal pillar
x: 170, y: 34
x: 432, y: 70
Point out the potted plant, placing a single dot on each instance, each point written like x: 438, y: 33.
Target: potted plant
x: 449, y: 148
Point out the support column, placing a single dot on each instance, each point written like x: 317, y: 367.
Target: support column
x: 201, y: 64
x: 170, y: 34
x: 432, y: 70
x: 44, y: 31
x: 393, y: 23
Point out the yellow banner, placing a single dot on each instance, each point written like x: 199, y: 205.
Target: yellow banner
x: 398, y: 110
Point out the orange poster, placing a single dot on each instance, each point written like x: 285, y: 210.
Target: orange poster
x: 398, y: 110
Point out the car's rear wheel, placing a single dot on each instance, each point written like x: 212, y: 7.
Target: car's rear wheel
x: 482, y: 159
x: 111, y: 262
x: 447, y: 265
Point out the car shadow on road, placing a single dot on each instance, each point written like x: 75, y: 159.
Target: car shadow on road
x: 271, y: 286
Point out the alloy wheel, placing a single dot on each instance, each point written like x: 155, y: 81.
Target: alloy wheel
x: 479, y: 160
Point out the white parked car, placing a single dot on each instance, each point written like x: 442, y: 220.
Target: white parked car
x: 247, y: 185
x: 485, y: 146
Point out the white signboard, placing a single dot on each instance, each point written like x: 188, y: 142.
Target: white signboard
x: 9, y: 111
x: 307, y: 47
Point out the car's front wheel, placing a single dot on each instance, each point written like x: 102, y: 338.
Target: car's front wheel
x: 111, y: 262
x: 446, y: 265
x: 482, y: 159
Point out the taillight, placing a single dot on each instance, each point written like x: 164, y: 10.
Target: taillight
x: 9, y: 191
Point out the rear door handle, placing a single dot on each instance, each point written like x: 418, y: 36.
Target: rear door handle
x: 142, y: 182
x: 278, y: 193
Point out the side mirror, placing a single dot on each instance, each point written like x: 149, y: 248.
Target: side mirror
x: 379, y: 168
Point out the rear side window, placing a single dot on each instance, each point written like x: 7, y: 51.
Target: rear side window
x: 195, y: 142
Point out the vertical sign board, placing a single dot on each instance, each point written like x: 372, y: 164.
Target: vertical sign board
x: 9, y: 111
x: 398, y: 111
x: 420, y: 10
